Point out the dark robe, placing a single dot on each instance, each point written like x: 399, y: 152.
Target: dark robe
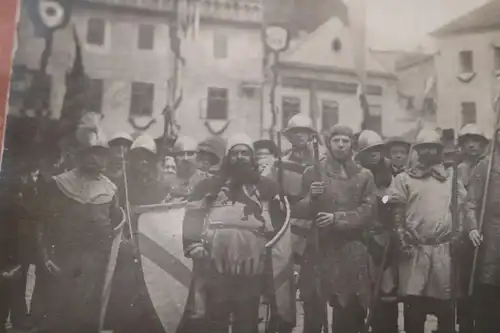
x: 76, y: 233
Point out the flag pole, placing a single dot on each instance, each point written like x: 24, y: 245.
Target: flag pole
x: 357, y: 22
x: 127, y: 202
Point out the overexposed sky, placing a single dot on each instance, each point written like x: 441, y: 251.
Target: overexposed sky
x: 403, y: 24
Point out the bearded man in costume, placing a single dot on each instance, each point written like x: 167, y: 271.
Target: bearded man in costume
x: 228, y: 221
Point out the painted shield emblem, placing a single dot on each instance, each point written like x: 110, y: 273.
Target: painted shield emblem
x: 167, y: 272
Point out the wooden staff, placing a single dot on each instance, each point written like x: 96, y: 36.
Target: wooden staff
x: 127, y: 202
x: 485, y: 195
x: 315, y: 240
x: 378, y: 282
x: 454, y: 231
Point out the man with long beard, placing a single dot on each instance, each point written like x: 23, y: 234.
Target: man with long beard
x: 423, y: 196
x: 228, y: 221
x: 345, y: 202
x: 77, y: 212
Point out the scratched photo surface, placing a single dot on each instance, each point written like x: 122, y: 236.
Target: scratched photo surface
x: 281, y: 166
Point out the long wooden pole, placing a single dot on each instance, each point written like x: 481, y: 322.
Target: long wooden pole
x: 315, y: 241
x: 454, y: 230
x: 485, y: 193
x: 127, y: 202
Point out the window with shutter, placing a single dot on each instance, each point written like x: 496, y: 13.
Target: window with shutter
x: 96, y: 31
x: 141, y: 102
x: 217, y: 103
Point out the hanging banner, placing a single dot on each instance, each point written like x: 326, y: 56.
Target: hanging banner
x: 8, y: 18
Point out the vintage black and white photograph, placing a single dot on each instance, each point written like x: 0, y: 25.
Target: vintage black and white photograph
x: 251, y: 166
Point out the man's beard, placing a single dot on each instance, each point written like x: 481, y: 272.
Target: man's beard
x: 243, y: 172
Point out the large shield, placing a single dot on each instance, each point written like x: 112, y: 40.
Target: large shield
x: 280, y: 251
x: 292, y: 184
x: 167, y: 272
x: 110, y: 269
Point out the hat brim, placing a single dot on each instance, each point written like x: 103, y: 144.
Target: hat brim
x: 370, y: 148
x: 464, y: 137
x: 120, y: 142
x: 393, y: 143
x: 266, y: 144
x: 435, y: 144
x: 307, y: 129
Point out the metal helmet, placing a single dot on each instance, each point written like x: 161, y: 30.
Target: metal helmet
x: 184, y: 143
x: 214, y: 145
x: 121, y: 139
x: 368, y: 140
x: 428, y: 137
x: 394, y: 141
x: 89, y: 133
x: 471, y: 130
x: 93, y: 140
x: 144, y: 141
x: 300, y: 121
x: 239, y: 139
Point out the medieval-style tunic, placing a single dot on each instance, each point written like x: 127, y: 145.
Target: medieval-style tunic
x: 424, y: 270
x: 232, y: 223
x: 465, y: 171
x: 77, y: 218
x: 350, y: 196
x: 489, y: 254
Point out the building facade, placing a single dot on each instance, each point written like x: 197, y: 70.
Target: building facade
x: 318, y: 78
x: 127, y: 56
x: 468, y: 67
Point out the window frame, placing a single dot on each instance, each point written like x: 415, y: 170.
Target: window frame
x: 213, y: 106
x: 104, y: 33
x: 147, y: 29
x: 466, y: 118
x: 466, y: 63
x: 147, y: 88
x: 496, y: 58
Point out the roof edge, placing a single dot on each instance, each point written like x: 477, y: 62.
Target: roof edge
x: 333, y: 69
